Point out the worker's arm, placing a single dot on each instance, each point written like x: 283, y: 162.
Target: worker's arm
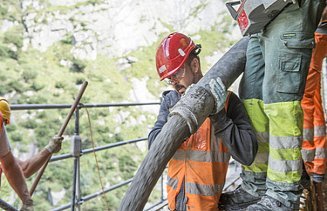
x: 236, y: 131
x: 33, y: 164
x: 15, y: 177
x: 169, y: 99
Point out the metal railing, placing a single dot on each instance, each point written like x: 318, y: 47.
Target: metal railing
x: 77, y: 200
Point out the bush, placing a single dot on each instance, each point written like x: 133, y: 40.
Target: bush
x: 78, y: 66
x: 15, y: 37
x: 60, y: 85
x: 6, y: 52
x: 35, y: 100
x: 3, y: 11
x: 79, y: 81
x: 37, y: 86
x: 17, y: 86
x: 67, y: 40
x: 16, y: 136
x: 29, y: 124
x: 28, y: 75
x: 127, y: 166
x: 4, y: 89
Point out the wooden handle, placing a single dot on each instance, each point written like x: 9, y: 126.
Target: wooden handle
x: 60, y: 133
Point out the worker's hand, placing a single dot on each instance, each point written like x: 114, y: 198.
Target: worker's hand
x: 219, y: 92
x: 28, y: 206
x: 54, y: 144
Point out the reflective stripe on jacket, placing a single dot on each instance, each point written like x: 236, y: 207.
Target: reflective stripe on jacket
x: 202, y: 161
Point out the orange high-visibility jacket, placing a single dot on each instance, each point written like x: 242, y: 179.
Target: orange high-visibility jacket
x: 198, y: 168
x: 201, y: 161
x: 314, y: 145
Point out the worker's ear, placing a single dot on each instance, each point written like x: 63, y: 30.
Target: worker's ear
x: 195, y: 65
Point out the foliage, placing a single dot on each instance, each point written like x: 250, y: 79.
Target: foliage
x: 78, y: 66
x: 6, y: 52
x: 14, y: 36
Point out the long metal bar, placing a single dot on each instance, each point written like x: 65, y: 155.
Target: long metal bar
x: 61, y: 106
x: 90, y: 150
x: 94, y: 195
x: 76, y: 154
x: 4, y: 205
x: 60, y: 157
x: 72, y: 208
x: 158, y: 206
x: 78, y: 169
x: 86, y: 151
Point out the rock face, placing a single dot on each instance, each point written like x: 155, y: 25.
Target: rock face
x: 112, y: 27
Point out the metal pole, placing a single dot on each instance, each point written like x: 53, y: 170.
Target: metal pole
x: 78, y: 185
x: 78, y: 182
x: 4, y: 205
x: 76, y: 152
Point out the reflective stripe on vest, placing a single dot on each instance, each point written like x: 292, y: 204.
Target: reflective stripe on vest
x: 202, y: 161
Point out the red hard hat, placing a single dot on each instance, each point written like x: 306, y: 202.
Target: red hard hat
x: 172, y: 53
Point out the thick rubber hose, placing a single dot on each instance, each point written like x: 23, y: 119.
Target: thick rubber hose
x: 199, y: 103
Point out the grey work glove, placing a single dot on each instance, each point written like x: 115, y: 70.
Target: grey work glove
x: 218, y: 90
x: 28, y: 205
x: 54, y: 144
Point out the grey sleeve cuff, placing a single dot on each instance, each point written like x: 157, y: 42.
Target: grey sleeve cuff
x: 318, y: 177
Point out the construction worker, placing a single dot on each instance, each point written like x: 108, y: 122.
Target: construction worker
x: 272, y: 87
x: 197, y: 171
x: 314, y: 146
x: 15, y: 169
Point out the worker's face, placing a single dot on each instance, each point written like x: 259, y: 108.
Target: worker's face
x: 185, y: 76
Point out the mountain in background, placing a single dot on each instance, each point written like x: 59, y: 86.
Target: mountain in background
x: 49, y: 47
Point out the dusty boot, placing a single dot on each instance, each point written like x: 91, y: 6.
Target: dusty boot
x: 237, y: 200
x: 267, y: 204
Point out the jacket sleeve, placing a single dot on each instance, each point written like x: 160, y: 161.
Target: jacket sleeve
x: 169, y: 99
x: 236, y: 131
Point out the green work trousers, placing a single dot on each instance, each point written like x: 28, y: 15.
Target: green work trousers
x: 271, y: 88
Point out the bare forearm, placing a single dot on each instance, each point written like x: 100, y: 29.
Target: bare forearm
x: 33, y: 164
x: 15, y: 176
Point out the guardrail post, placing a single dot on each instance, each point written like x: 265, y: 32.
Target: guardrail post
x: 76, y: 152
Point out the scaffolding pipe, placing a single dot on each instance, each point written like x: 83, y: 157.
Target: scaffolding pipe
x: 185, y: 118
x: 5, y: 206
